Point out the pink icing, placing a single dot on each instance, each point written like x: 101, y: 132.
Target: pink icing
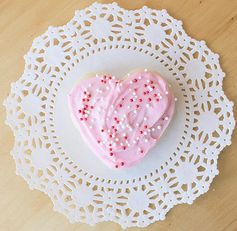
x: 121, y: 120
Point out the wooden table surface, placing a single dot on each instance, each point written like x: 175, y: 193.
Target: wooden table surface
x: 22, y: 20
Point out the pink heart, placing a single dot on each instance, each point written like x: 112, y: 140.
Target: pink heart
x: 121, y: 120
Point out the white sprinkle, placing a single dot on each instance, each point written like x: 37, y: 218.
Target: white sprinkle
x: 113, y: 135
x: 159, y: 127
x: 130, y: 129
x: 147, y: 105
x: 166, y: 92
x: 113, y: 77
x: 112, y: 106
x: 134, y: 93
x: 128, y: 74
x: 145, y: 119
x: 153, y: 129
x: 109, y: 131
x: 107, y: 88
x: 128, y: 145
x: 161, y: 97
x: 139, y: 77
x: 128, y: 106
x: 96, y: 75
x: 131, y: 82
x: 149, y: 130
x: 145, y: 133
x: 175, y: 99
x: 134, y: 141
x: 137, y: 124
x: 146, y: 140
x: 116, y: 139
x: 145, y: 70
x: 139, y: 149
x: 166, y: 118
x: 89, y: 85
x: 121, y: 144
x: 135, y: 111
x: 150, y: 89
x: 107, y: 118
x: 130, y: 89
x: 86, y: 116
x: 115, y: 112
x: 158, y: 93
x: 90, y: 127
x: 137, y: 138
x: 148, y: 81
x: 124, y: 134
x: 126, y: 141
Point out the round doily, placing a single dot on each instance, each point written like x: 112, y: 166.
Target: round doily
x: 49, y: 152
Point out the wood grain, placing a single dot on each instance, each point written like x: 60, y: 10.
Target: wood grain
x: 21, y: 20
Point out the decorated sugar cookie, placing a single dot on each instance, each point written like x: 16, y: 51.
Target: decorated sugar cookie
x: 121, y: 120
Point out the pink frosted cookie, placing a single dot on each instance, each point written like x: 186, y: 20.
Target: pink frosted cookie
x: 121, y: 120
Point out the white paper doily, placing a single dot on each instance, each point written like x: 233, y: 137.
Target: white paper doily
x: 49, y: 152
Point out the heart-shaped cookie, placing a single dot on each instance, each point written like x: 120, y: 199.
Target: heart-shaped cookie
x: 121, y: 120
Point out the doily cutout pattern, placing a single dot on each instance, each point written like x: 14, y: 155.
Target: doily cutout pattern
x: 84, y: 197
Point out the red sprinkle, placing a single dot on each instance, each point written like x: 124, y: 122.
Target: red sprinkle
x: 122, y: 163
x: 111, y: 154
x: 145, y: 126
x: 135, y: 80
x: 149, y: 99
x: 102, y: 130
x: 140, y: 100
x: 131, y: 100
x: 120, y: 105
x: 141, y: 132
x: 151, y: 82
x: 137, y: 106
x: 145, y: 85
